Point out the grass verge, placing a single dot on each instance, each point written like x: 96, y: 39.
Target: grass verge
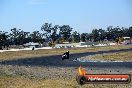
x: 118, y: 56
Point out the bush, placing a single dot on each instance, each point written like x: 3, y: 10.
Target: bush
x: 51, y: 44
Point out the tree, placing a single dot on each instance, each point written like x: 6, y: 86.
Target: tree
x: 26, y: 37
x: 46, y: 28
x: 76, y: 36
x: 95, y: 34
x: 83, y: 37
x: 102, y: 35
x: 110, y: 33
x: 23, y: 36
x: 130, y: 32
x: 50, y: 32
x: 19, y: 37
x: 14, y: 36
x: 54, y: 35
x: 36, y: 36
x: 3, y: 39
x: 89, y: 37
x: 65, y: 32
x: 118, y: 32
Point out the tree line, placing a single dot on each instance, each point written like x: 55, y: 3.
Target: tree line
x: 55, y: 34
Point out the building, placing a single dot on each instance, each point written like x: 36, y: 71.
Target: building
x: 86, y: 44
x: 63, y: 46
x: 70, y: 45
x: 126, y: 40
x: 32, y: 45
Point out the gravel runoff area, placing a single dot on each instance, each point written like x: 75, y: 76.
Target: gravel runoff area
x: 67, y: 75
x: 56, y: 72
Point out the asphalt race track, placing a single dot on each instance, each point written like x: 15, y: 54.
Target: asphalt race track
x: 56, y: 61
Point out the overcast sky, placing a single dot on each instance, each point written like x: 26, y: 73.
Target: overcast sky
x: 82, y: 15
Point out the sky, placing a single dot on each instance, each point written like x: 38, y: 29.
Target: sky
x: 81, y: 15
